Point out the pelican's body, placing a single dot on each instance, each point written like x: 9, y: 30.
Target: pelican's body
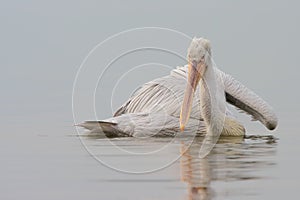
x: 156, y: 108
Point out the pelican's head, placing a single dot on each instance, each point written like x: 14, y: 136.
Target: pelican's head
x: 199, y: 50
x: 199, y: 58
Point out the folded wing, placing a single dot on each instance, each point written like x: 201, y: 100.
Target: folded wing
x: 165, y: 95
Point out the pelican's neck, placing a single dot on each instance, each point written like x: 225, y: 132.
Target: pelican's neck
x: 213, y: 106
x: 211, y: 113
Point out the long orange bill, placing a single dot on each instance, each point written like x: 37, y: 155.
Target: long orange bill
x: 193, y: 79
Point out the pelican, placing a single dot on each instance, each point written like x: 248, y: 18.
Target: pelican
x: 192, y: 99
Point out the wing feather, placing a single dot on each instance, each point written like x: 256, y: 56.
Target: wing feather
x: 165, y: 94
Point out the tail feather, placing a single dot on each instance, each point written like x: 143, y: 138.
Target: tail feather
x: 110, y: 129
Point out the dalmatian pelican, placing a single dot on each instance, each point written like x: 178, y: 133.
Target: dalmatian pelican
x: 192, y: 99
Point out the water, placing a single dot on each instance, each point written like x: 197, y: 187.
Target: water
x: 45, y: 166
x: 228, y: 172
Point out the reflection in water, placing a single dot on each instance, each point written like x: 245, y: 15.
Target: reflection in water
x: 195, y: 172
x: 232, y: 159
x: 233, y: 165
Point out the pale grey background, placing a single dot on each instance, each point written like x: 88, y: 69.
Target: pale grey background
x: 42, y: 44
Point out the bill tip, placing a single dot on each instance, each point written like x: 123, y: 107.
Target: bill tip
x: 182, y: 127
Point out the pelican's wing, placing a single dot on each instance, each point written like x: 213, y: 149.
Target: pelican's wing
x: 164, y: 95
x: 246, y: 100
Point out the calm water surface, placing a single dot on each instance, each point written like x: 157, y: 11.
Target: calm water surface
x: 236, y: 168
x: 58, y: 166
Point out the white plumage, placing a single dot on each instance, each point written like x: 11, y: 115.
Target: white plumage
x: 154, y: 109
